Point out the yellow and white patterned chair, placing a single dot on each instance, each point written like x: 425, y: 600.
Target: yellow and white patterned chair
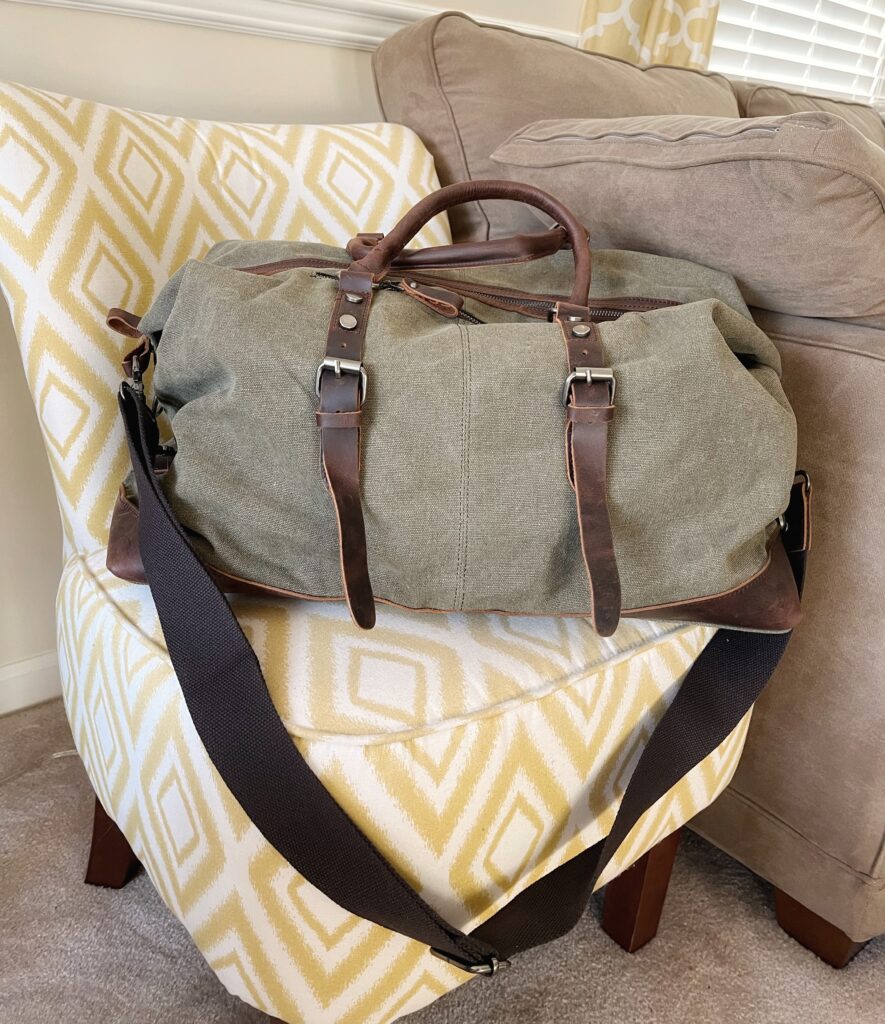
x: 478, y: 752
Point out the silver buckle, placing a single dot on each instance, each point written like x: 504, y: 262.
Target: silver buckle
x: 488, y: 969
x: 339, y: 366
x: 592, y: 375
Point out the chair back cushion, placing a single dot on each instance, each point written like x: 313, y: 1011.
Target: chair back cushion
x: 100, y: 205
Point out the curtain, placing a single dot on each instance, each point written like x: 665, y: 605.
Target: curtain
x: 651, y: 31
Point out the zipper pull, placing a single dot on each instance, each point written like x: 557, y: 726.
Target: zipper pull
x: 440, y: 300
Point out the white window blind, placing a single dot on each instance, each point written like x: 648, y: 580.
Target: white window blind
x: 835, y: 47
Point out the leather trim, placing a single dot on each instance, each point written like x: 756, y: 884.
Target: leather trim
x: 767, y: 601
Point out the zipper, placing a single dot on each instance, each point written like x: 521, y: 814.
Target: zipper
x: 542, y: 307
x: 605, y: 309
x: 395, y: 286
x: 762, y: 129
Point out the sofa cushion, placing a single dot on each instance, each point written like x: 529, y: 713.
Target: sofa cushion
x: 465, y: 87
x: 791, y: 206
x: 99, y: 206
x: 765, y: 100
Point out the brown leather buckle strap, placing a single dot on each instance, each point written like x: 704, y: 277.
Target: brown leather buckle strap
x: 588, y: 395
x: 341, y: 386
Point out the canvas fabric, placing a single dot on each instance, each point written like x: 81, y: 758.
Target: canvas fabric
x: 467, y: 506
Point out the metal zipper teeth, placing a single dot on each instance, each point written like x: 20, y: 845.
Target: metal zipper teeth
x: 472, y: 290
x: 599, y: 312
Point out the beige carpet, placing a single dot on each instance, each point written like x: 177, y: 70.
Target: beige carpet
x: 73, y: 954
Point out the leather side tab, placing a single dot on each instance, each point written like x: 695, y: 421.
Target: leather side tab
x: 123, y: 322
x: 123, y: 557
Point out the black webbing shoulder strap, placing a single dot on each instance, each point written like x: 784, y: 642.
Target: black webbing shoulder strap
x: 231, y: 708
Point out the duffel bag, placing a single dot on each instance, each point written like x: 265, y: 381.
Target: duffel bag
x: 456, y: 428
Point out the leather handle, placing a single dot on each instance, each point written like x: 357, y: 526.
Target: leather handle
x: 381, y: 256
x: 516, y: 249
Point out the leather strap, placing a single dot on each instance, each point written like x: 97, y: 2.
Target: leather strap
x: 341, y: 383
x: 590, y: 397
x: 380, y: 258
x: 515, y: 249
x: 252, y: 751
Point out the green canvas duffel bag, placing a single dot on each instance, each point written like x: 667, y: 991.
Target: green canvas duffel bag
x: 467, y: 431
x: 461, y: 428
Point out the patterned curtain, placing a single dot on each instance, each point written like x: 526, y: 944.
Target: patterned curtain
x: 651, y: 31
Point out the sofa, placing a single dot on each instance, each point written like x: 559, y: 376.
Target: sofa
x: 786, y: 192
x: 478, y: 753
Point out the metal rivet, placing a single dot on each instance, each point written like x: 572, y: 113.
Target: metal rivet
x: 353, y: 297
x: 581, y: 330
x: 348, y: 321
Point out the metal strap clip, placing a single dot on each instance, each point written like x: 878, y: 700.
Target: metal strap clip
x: 488, y: 968
x: 592, y: 375
x: 339, y: 366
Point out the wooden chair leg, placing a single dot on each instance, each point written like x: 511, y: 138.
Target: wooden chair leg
x: 825, y: 940
x: 111, y: 860
x: 633, y: 902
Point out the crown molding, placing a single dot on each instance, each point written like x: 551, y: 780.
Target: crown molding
x: 354, y: 24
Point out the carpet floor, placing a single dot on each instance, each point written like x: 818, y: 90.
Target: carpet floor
x: 74, y: 954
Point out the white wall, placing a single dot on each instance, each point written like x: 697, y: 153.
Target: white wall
x: 167, y: 68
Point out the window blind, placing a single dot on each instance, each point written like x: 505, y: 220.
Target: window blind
x: 836, y: 47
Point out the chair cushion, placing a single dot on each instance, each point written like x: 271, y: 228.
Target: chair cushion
x: 465, y: 88
x: 792, y: 206
x: 478, y: 752
x: 99, y: 206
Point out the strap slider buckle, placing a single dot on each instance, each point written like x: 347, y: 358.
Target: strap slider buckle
x: 592, y: 375
x: 339, y: 366
x: 487, y: 969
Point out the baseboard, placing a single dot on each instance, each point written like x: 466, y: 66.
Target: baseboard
x: 27, y: 682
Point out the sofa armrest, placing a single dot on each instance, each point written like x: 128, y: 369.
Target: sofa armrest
x: 806, y: 808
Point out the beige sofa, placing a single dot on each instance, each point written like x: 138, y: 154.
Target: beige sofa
x: 807, y: 808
